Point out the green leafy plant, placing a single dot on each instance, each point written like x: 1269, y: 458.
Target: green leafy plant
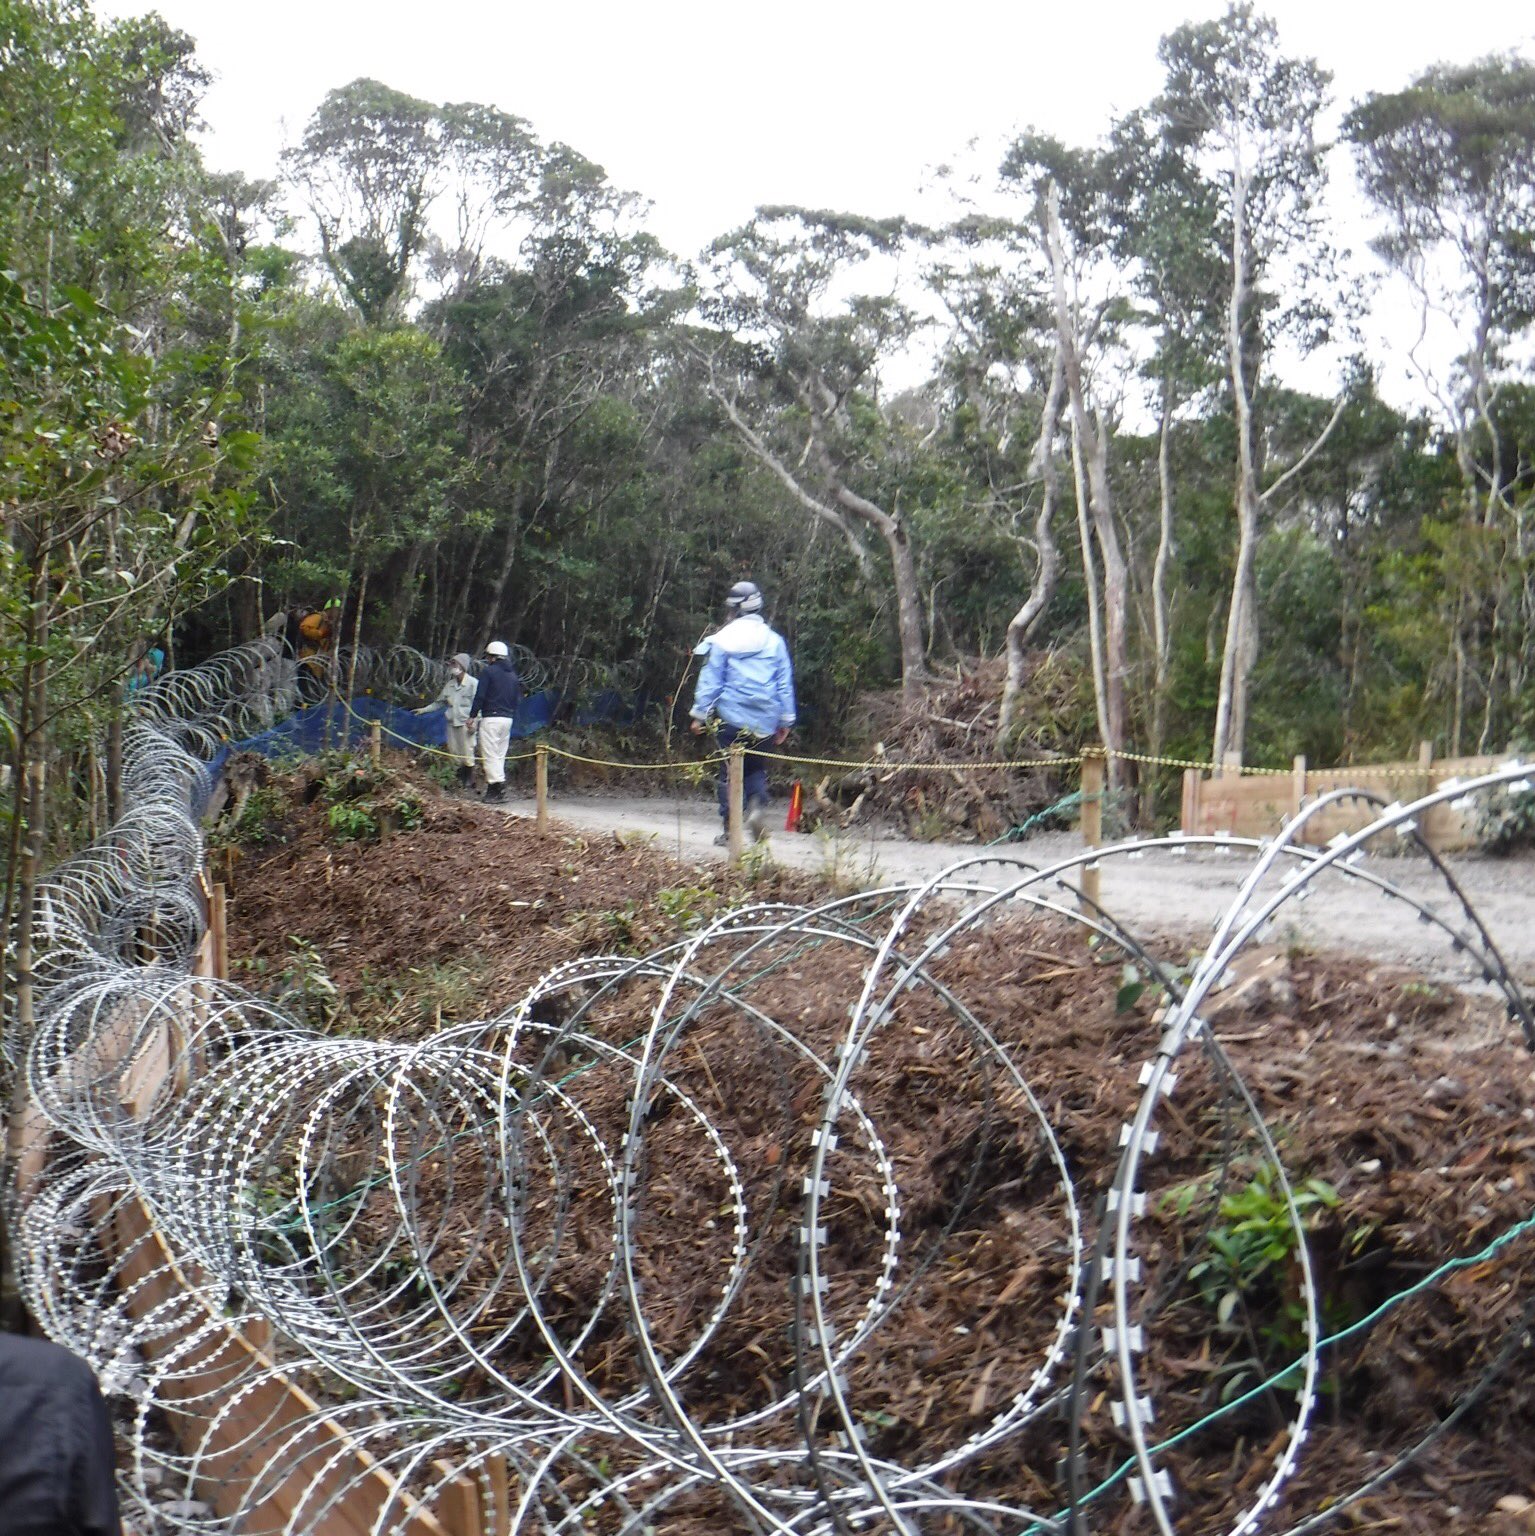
x: 442, y: 771
x: 1135, y: 983
x: 261, y: 820
x: 687, y: 905
x: 306, y: 987
x: 352, y: 822
x: 364, y: 798
x: 1249, y: 1253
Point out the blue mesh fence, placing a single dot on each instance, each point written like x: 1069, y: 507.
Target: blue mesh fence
x: 333, y: 724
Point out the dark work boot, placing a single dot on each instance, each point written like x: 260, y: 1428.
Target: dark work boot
x: 465, y: 776
x: 496, y: 792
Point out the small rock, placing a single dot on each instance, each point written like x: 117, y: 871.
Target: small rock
x: 1444, y: 1089
x: 186, y: 1509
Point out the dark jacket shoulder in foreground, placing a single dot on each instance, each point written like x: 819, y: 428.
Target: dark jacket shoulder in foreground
x: 56, y: 1456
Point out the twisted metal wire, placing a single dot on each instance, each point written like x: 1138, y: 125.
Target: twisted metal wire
x: 517, y: 1257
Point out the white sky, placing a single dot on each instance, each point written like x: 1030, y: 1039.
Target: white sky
x: 711, y: 107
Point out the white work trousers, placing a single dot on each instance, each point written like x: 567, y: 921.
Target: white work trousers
x: 495, y: 738
x: 459, y: 744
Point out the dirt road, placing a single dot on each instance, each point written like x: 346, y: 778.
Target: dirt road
x: 1155, y: 892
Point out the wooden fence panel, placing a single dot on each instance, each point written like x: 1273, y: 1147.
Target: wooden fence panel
x: 1257, y: 805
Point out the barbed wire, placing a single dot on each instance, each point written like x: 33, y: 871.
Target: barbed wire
x: 506, y: 1263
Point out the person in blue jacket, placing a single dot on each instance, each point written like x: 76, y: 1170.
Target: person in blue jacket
x: 748, y: 683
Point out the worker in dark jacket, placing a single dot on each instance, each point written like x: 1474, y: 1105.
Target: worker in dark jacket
x: 495, y: 703
x: 56, y: 1454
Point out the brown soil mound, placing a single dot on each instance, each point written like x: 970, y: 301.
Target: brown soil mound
x: 467, y: 910
x: 1405, y: 1113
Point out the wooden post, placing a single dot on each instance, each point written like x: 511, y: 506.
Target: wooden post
x: 1092, y: 823
x: 1298, y: 783
x: 541, y: 785
x: 1190, y: 820
x: 376, y: 742
x: 218, y: 926
x: 735, y: 790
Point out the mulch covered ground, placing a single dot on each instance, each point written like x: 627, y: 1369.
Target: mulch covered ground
x: 1414, y: 1104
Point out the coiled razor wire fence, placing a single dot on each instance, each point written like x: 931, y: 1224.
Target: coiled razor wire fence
x: 525, y: 1261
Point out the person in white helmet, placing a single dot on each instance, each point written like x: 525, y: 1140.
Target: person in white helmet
x: 495, y: 704
x: 457, y: 698
x: 748, y: 682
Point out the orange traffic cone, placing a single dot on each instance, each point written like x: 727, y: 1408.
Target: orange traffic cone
x: 796, y: 805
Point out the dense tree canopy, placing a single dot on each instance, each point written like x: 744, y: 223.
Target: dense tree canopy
x: 443, y: 374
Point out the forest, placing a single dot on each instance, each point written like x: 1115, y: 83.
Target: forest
x: 441, y: 375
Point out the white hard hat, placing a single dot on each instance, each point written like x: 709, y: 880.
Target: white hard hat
x: 497, y: 648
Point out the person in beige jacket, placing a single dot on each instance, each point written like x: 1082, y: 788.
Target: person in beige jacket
x: 457, y: 698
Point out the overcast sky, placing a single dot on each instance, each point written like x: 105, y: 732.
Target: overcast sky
x: 709, y: 109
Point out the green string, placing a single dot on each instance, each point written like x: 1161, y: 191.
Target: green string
x: 1432, y: 1278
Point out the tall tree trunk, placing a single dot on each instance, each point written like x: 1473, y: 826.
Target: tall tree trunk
x: 351, y: 672
x: 1241, y: 647
x: 1116, y: 606
x: 1047, y: 570
x: 1090, y: 578
x: 35, y: 847
x: 458, y: 615
x: 410, y: 592
x: 115, y: 763
x: 1161, y: 627
x: 1090, y: 448
x: 908, y: 588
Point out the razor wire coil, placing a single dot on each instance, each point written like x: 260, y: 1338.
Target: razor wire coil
x: 471, y: 1247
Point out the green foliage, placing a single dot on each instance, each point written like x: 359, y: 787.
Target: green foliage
x: 1505, y: 819
x: 1244, y: 1274
x: 362, y: 800
x: 305, y: 986
x: 505, y: 413
x: 689, y: 906
x: 261, y: 820
x: 352, y: 821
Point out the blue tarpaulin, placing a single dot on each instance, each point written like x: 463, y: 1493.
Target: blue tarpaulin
x: 311, y: 730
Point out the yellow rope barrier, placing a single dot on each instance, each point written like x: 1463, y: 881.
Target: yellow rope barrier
x: 611, y: 762
x: 420, y: 746
x: 901, y: 765
x: 880, y: 764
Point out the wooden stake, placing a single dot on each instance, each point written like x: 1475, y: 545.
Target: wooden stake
x: 1298, y: 783
x: 1092, y: 823
x: 735, y: 790
x: 218, y: 926
x: 376, y: 742
x: 541, y: 785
